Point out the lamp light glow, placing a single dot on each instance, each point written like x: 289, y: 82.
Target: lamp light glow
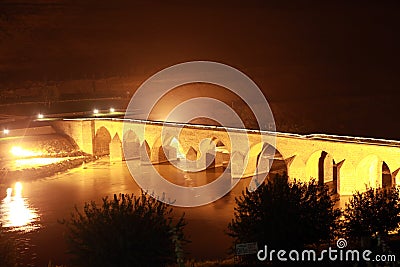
x: 18, y: 151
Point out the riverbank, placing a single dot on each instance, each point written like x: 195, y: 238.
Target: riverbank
x: 8, y: 177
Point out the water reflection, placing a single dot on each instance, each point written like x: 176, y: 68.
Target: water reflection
x: 34, y: 162
x: 16, y: 213
x: 27, y: 163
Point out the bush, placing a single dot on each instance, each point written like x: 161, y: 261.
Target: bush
x: 284, y: 215
x: 125, y: 231
x: 373, y: 213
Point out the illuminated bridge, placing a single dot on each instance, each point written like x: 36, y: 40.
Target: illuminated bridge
x: 345, y: 163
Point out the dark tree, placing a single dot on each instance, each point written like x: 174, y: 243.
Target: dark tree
x: 284, y: 215
x: 373, y: 213
x: 125, y: 231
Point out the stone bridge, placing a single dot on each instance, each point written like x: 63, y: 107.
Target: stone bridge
x: 347, y: 164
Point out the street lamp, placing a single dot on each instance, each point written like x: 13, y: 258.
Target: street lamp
x: 6, y: 131
x: 95, y: 111
x: 112, y: 110
x: 40, y: 116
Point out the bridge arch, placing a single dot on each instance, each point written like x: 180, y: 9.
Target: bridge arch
x: 161, y: 150
x: 319, y: 166
x: 174, y: 143
x: 347, y: 180
x: 191, y: 154
x: 116, y: 153
x: 372, y: 171
x: 296, y: 168
x: 259, y: 158
x: 369, y: 172
x: 112, y: 127
x: 221, y: 151
x: 101, y: 142
x: 396, y: 177
x: 131, y: 145
x: 393, y: 163
x: 387, y: 178
x: 167, y: 148
x: 145, y: 152
x: 270, y: 153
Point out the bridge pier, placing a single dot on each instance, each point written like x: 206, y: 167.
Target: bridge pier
x: 80, y: 131
x: 116, y: 153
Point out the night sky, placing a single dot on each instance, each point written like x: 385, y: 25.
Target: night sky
x: 294, y: 51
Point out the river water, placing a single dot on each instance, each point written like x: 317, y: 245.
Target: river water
x: 32, y: 209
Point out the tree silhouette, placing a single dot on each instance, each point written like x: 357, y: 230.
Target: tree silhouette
x: 373, y: 213
x: 284, y: 214
x: 125, y: 231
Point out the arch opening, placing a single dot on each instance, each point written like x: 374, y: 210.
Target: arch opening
x: 387, y: 179
x: 270, y: 161
x: 296, y: 168
x: 218, y: 155
x: 116, y: 153
x: 168, y: 149
x: 174, y: 143
x: 191, y: 154
x: 322, y: 167
x: 131, y: 145
x: 369, y: 173
x: 102, y: 140
x: 162, y: 156
x: 145, y: 152
x: 335, y: 186
x: 396, y: 177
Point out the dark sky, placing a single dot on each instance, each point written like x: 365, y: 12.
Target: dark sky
x: 291, y: 49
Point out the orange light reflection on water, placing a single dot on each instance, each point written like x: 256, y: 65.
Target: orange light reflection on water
x: 35, y: 162
x: 16, y: 213
x: 20, y: 152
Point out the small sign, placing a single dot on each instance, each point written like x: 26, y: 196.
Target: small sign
x: 246, y: 248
